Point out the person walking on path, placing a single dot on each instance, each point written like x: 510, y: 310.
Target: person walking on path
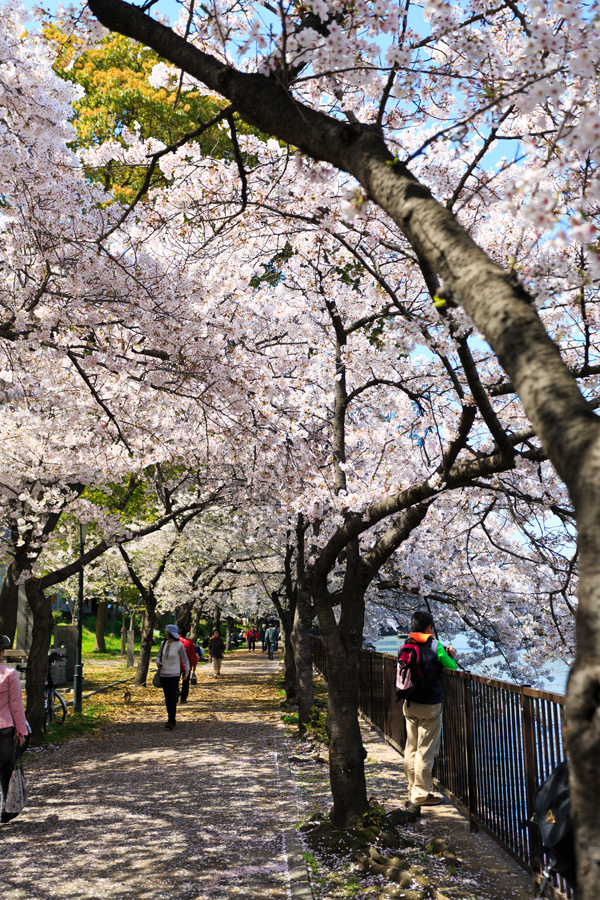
x: 13, y: 724
x: 216, y: 651
x: 271, y: 639
x: 423, y: 712
x: 171, y: 657
x: 251, y: 636
x: 263, y: 636
x: 192, y: 656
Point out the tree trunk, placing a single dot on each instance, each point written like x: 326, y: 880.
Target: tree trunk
x: 300, y: 639
x: 146, y: 640
x: 196, y: 616
x: 346, y: 750
x: 184, y: 617
x: 38, y: 658
x: 583, y: 704
x: 230, y: 626
x: 287, y: 619
x: 214, y: 622
x: 9, y: 600
x: 100, y: 646
x: 290, y: 675
x: 342, y: 643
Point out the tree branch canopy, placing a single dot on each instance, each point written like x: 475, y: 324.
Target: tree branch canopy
x: 496, y: 302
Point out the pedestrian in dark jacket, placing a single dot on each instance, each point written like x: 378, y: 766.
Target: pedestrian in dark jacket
x: 271, y: 639
x: 216, y: 651
x: 423, y: 712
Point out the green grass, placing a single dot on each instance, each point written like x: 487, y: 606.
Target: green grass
x: 341, y: 884
x: 113, y: 644
x: 312, y: 864
x: 92, y: 716
x: 317, y: 724
x: 76, y: 724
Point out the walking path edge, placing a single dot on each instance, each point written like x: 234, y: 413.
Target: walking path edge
x: 299, y: 879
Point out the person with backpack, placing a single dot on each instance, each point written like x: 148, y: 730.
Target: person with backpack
x: 419, y: 684
x: 192, y: 656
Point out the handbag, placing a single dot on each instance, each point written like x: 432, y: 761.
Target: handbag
x: 193, y: 679
x: 156, y: 678
x: 16, y: 796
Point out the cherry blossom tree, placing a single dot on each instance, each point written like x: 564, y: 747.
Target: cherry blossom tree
x: 87, y: 367
x: 359, y: 88
x: 294, y: 307
x: 369, y: 357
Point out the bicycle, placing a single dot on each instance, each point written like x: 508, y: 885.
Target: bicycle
x: 55, y: 708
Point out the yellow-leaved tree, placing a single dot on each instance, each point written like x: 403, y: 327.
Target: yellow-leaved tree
x: 120, y: 98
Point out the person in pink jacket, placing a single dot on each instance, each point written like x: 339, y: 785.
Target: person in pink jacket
x: 13, y: 724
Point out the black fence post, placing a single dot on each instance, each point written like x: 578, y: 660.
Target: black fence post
x: 470, y: 753
x: 371, y: 716
x: 386, y: 701
x: 531, y: 781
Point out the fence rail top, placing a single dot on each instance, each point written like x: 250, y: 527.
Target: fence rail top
x: 523, y: 689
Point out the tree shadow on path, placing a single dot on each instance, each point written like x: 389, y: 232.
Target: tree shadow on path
x: 137, y: 812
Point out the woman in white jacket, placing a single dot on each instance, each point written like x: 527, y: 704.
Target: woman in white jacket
x: 171, y: 659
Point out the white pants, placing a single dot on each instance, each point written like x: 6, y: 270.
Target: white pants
x: 423, y: 734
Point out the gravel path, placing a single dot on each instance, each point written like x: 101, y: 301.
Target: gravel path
x: 135, y: 812
x: 486, y: 871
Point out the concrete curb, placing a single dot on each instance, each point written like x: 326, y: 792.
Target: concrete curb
x: 299, y: 879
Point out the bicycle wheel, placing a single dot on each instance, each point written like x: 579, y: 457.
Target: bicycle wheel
x: 59, y: 708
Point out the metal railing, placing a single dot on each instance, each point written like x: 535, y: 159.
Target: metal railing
x: 500, y: 741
